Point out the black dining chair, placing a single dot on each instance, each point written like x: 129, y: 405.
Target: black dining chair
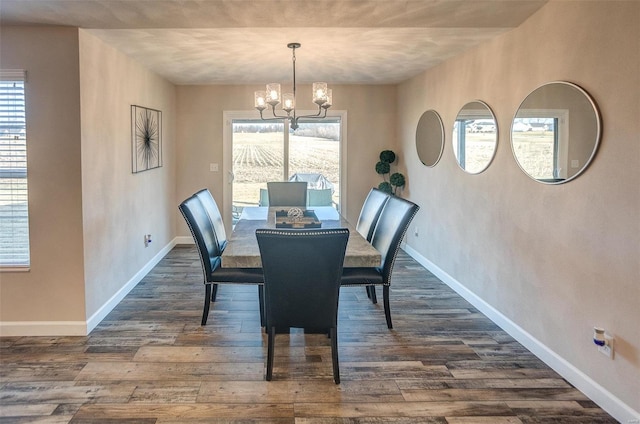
x: 211, y: 207
x: 302, y: 271
x: 287, y: 193
x: 367, y: 220
x: 213, y: 211
x: 370, y: 212
x: 204, y: 235
x: 391, y: 227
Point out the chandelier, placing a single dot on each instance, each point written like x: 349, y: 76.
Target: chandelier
x: 321, y: 97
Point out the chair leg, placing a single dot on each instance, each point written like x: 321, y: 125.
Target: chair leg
x: 368, y: 288
x: 271, y: 334
x: 261, y: 300
x: 214, y: 292
x: 372, y: 291
x: 207, y: 303
x: 387, y: 310
x: 334, y: 354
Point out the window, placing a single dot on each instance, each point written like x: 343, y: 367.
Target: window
x: 14, y: 214
x: 269, y: 151
x: 540, y: 141
x: 257, y: 151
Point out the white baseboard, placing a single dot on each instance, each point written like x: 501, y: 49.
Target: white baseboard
x: 605, y: 399
x: 81, y: 328
x: 101, y: 313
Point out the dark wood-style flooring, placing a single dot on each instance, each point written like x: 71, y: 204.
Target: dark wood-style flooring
x: 150, y: 361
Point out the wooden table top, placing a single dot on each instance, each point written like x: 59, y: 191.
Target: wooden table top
x: 242, y: 247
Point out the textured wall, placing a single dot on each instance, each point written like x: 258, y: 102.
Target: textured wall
x: 556, y: 260
x: 120, y: 207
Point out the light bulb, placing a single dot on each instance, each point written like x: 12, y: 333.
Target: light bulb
x: 319, y: 92
x: 273, y: 94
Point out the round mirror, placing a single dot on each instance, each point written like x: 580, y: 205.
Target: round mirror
x: 475, y: 136
x: 555, y: 132
x: 430, y: 138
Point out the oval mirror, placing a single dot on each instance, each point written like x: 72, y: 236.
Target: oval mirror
x: 430, y: 138
x: 475, y: 136
x: 555, y: 132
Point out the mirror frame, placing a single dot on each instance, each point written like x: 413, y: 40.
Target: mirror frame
x: 495, y: 144
x: 428, y: 136
x: 598, y: 135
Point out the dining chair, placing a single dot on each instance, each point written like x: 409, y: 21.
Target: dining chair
x: 211, y: 207
x: 320, y: 197
x: 264, y: 197
x: 287, y: 193
x: 302, y: 271
x: 394, y: 220
x: 370, y: 212
x: 209, y: 251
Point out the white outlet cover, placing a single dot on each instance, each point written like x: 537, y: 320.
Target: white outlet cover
x: 607, y: 350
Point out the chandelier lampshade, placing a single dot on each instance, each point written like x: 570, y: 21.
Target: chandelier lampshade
x: 260, y: 100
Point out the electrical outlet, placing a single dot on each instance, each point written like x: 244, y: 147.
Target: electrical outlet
x: 607, y: 349
x: 213, y: 167
x: 147, y: 240
x: 416, y: 232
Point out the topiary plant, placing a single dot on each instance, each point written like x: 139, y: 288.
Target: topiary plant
x: 387, y: 156
x: 383, y: 168
x: 396, y: 180
x: 385, y: 186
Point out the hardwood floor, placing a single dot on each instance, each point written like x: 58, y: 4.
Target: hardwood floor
x: 150, y: 361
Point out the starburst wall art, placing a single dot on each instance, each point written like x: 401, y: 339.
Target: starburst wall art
x: 146, y: 138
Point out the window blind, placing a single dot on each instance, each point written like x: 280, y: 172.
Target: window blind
x: 14, y: 214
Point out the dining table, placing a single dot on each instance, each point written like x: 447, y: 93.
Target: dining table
x: 242, y: 249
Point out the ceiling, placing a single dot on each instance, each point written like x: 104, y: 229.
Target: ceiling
x: 245, y: 41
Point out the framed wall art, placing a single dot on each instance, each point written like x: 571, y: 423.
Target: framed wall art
x: 146, y: 138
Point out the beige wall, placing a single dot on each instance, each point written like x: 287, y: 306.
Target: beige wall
x: 88, y: 212
x: 555, y: 260
x: 120, y: 207
x: 53, y: 290
x: 370, y: 129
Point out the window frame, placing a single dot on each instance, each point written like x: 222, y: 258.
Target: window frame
x: 12, y: 232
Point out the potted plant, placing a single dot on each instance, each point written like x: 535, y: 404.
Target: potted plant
x: 383, y: 167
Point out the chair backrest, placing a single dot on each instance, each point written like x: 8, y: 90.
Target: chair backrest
x: 202, y: 232
x: 370, y: 212
x: 392, y: 225
x: 287, y: 193
x: 215, y: 216
x: 302, y: 270
x: 264, y: 197
x: 319, y: 197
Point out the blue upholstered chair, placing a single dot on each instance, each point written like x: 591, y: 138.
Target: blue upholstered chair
x: 319, y: 197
